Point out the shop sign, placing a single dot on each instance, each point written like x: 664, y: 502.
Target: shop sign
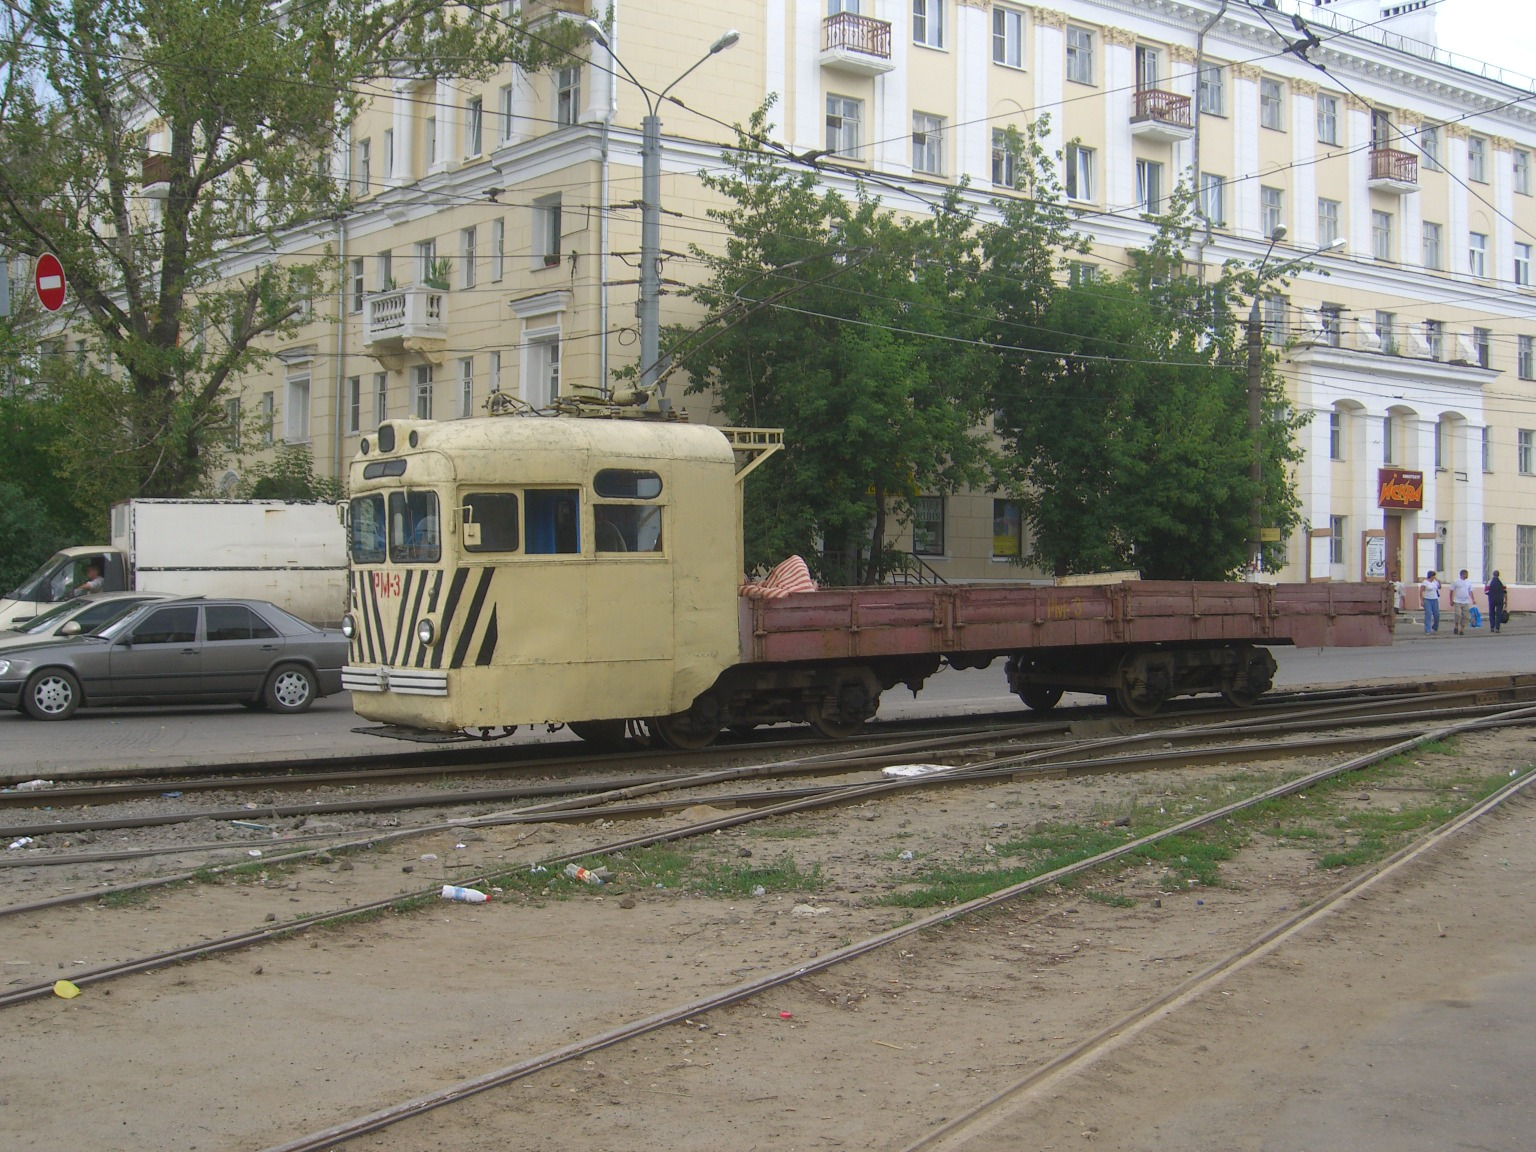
x: 1399, y: 489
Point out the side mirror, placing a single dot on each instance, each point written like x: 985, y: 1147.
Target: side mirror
x: 70, y: 628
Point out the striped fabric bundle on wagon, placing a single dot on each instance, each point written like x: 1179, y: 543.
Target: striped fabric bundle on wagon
x: 516, y: 570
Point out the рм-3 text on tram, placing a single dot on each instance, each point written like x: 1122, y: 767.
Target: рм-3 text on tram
x: 585, y: 571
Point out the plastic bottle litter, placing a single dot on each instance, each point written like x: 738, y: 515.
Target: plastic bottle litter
x: 467, y: 895
x: 907, y: 855
x: 19, y: 842
x: 577, y: 872
x: 759, y: 891
x: 33, y: 785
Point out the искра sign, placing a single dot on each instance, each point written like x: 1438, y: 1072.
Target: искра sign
x: 1399, y: 489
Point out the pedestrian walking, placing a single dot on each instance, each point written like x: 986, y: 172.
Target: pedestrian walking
x: 1431, y: 589
x: 1497, y: 597
x: 1461, y: 603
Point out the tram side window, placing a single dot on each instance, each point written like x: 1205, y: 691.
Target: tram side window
x: 552, y: 521
x: 627, y: 484
x: 627, y: 527
x: 368, y: 530
x: 414, y: 535
x: 490, y: 522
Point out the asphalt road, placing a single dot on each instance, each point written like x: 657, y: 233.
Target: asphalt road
x: 193, y: 735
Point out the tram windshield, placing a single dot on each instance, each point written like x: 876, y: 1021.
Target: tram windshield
x: 367, y: 538
x: 414, y: 533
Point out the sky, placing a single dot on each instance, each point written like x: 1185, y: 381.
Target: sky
x: 1500, y: 31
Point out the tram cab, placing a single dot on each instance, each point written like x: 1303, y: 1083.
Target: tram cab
x: 524, y: 570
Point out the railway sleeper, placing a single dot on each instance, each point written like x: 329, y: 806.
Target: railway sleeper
x: 1139, y: 680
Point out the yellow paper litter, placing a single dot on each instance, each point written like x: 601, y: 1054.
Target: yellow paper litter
x: 65, y: 990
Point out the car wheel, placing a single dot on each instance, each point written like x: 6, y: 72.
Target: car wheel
x: 292, y: 688
x: 52, y: 694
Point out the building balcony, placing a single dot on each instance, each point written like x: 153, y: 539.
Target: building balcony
x: 1161, y: 116
x: 857, y: 44
x: 156, y: 177
x: 1394, y: 171
x: 410, y: 319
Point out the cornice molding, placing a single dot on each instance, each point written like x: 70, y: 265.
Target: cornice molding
x: 1049, y: 18
x: 1120, y: 37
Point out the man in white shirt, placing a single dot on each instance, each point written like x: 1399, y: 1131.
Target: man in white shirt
x: 1461, y: 602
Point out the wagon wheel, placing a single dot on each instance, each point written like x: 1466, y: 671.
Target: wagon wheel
x: 1040, y: 697
x: 677, y: 732
x: 834, y: 729
x: 605, y: 734
x: 1238, y: 697
x: 1128, y: 704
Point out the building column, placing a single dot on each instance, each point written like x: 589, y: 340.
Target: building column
x: 1119, y: 149
x: 1357, y: 139
x: 1048, y: 32
x: 1304, y: 161
x: 972, y: 136
x: 1245, y: 149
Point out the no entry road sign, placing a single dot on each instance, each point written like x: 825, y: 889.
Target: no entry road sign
x: 49, y: 279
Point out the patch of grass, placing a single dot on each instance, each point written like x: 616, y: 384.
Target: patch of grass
x: 1113, y: 899
x: 1293, y: 832
x: 132, y: 898
x: 783, y: 875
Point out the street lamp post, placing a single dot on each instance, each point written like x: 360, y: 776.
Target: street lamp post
x: 650, y: 211
x: 1256, y: 396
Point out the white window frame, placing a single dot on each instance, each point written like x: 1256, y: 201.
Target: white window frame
x: 1080, y: 47
x: 1212, y: 199
x: 546, y: 231
x: 1521, y: 160
x: 466, y: 387
x: 1525, y: 451
x: 1327, y: 221
x: 429, y: 142
x: 354, y: 405
x: 936, y: 546
x: 493, y: 373
x: 928, y: 143
x: 1149, y: 187
x: 928, y: 23
x: 1381, y: 234
x: 385, y: 269
x: 296, y: 400
x: 567, y: 102
x: 1327, y: 119
x: 267, y: 417
x: 1271, y: 104
x: 1336, y: 531
x: 1487, y: 445
x: 1007, y: 36
x: 469, y: 255
x: 426, y: 257
x: 389, y: 153
x: 1523, y: 265
x: 356, y: 283
x: 1079, y: 172
x: 845, y: 121
x: 1525, y: 553
x: 498, y: 249
x: 1477, y: 254
x: 361, y: 167
x: 1335, y: 435
x: 1525, y: 357
x: 506, y: 104
x: 380, y: 398
x: 474, y: 127
x: 541, y: 366
x: 1433, y: 246
x: 422, y: 386
x: 1271, y: 209
x: 1211, y: 89
x: 1429, y: 145
x: 1004, y: 162
x: 1477, y: 159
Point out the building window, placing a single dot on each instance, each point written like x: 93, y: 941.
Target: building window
x: 1433, y: 257
x: 1381, y: 235
x: 426, y: 260
x: 1525, y: 357
x: 1335, y: 435
x: 1525, y: 441
x: 493, y: 373
x: 1212, y: 206
x: 1007, y: 530
x: 1271, y: 104
x: 504, y: 106
x: 1212, y: 90
x: 429, y: 140
x: 355, y: 279
x: 1336, y: 540
x: 421, y: 391
x: 1149, y: 187
x: 1332, y: 319
x: 1386, y: 331
x: 1477, y: 159
x: 1434, y: 336
x: 1523, y: 264
x: 1079, y: 55
x: 296, y: 408
x: 1442, y: 531
x: 1477, y: 253
x: 362, y: 157
x: 546, y: 231
x: 474, y: 114
x: 466, y: 387
x: 1440, y: 455
x: 567, y: 96
x: 389, y: 153
x: 1482, y: 345
x: 1272, y: 310
x: 231, y: 420
x: 928, y: 23
x: 1525, y: 553
x: 1327, y: 222
x: 468, y: 256
x: 380, y: 398
x: 1429, y: 144
x: 1522, y: 161
x: 928, y: 526
x: 267, y: 418
x: 1004, y: 162
x: 844, y: 118
x: 1271, y: 209
x: 1487, y: 448
x: 1079, y: 172
x: 1008, y: 37
x: 1388, y: 444
x: 354, y: 404
x: 1327, y: 118
x: 1080, y: 272
x: 385, y: 267
x: 543, y: 384
x: 927, y: 144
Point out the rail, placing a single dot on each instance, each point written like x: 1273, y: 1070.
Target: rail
x: 1164, y: 107
x: 854, y: 33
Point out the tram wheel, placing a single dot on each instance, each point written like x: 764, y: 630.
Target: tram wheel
x: 607, y: 734
x: 1040, y: 697
x: 677, y: 732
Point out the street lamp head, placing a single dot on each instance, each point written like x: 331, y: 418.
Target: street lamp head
x: 1337, y: 245
x: 594, y: 32
x: 727, y: 40
x: 1278, y: 234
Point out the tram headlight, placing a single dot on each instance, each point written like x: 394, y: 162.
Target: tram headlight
x: 426, y: 632
x: 348, y: 626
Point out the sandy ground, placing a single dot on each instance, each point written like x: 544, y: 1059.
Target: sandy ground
x: 260, y: 1046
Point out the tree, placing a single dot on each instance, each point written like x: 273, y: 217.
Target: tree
x: 162, y: 150
x: 821, y: 319
x: 1126, y: 424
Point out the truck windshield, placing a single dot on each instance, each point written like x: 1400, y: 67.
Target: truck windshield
x: 368, y: 530
x: 50, y: 583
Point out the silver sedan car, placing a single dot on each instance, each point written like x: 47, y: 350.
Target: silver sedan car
x: 87, y: 614
x: 184, y: 651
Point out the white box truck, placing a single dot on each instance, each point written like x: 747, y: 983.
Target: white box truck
x: 290, y: 552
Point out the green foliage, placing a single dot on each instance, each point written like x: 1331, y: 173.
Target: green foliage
x: 820, y: 310
x: 289, y: 475
x: 231, y: 116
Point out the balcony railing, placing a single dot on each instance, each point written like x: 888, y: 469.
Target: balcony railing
x: 1163, y: 116
x: 1394, y: 170
x: 413, y: 313
x: 858, y: 44
x: 156, y: 174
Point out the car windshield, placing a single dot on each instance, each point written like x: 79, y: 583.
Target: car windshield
x: 43, y: 620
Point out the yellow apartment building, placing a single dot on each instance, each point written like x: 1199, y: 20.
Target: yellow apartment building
x: 495, y: 244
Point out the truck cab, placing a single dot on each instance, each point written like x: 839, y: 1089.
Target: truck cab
x: 58, y: 577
